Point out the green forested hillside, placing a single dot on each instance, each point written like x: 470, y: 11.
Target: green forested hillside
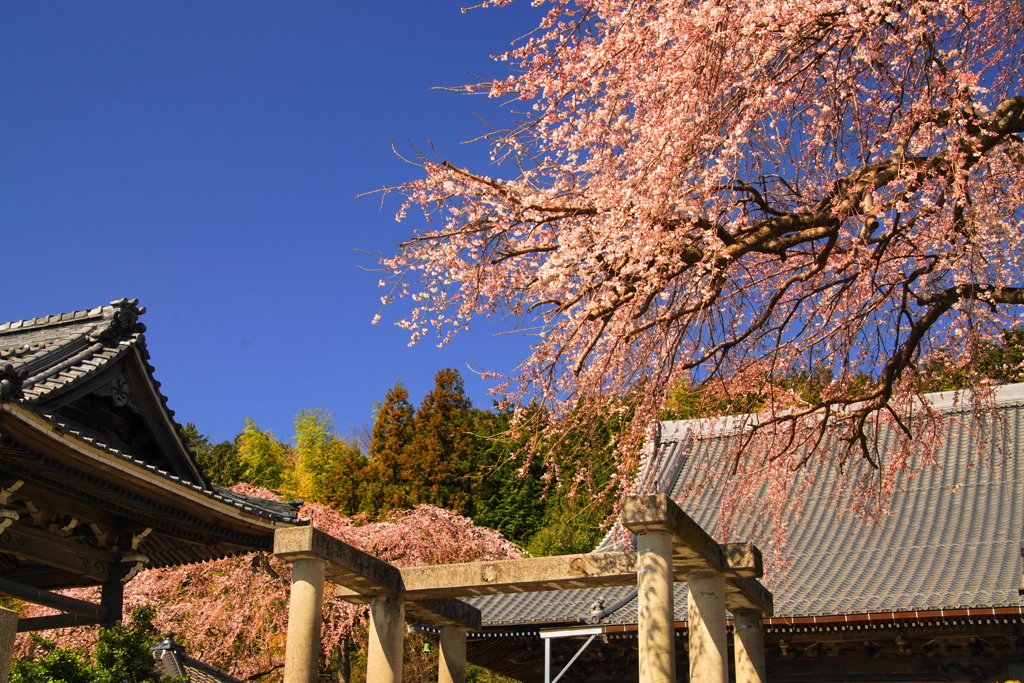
x: 444, y: 452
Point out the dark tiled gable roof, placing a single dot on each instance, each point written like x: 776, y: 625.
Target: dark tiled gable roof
x: 953, y: 539
x: 48, y: 358
x: 172, y: 662
x: 56, y: 351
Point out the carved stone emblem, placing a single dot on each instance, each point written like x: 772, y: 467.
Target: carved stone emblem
x: 120, y: 393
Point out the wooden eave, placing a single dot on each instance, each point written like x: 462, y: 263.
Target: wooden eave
x: 154, y: 490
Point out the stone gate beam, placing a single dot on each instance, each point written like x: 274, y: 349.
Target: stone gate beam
x: 717, y: 575
x: 695, y: 552
x: 317, y: 556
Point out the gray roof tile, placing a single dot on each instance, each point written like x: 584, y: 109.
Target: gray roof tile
x: 953, y: 538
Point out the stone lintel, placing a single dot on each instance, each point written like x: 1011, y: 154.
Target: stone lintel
x: 517, y: 576
x: 694, y: 549
x: 444, y: 612
x: 742, y: 593
x: 744, y: 559
x: 346, y: 565
x: 361, y: 576
x: 690, y: 542
x: 431, y: 611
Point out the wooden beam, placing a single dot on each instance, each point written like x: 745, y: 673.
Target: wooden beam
x: 36, y: 545
x: 64, y: 505
x: 48, y: 599
x: 54, y: 621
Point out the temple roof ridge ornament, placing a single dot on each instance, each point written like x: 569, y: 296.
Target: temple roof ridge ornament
x: 11, y: 381
x: 123, y: 321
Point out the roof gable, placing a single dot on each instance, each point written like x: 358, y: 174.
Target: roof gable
x: 90, y: 368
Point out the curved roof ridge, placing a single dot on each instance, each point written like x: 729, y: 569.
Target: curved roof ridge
x: 945, y: 402
x: 58, y: 319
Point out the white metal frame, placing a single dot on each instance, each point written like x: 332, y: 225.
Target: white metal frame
x: 547, y: 635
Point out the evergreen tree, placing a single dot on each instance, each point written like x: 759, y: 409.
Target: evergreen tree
x: 508, y: 493
x: 219, y: 462
x: 343, y: 479
x: 196, y: 442
x: 580, y: 470
x: 391, y: 436
x: 437, y: 463
x: 223, y: 466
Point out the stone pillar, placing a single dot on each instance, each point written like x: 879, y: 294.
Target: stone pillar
x: 748, y: 646
x: 305, y: 613
x: 452, y: 665
x: 387, y: 639
x: 8, y: 629
x: 656, y: 617
x: 709, y: 650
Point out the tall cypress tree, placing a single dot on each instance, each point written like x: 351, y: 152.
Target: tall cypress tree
x: 440, y: 458
x: 508, y: 491
x: 390, y: 439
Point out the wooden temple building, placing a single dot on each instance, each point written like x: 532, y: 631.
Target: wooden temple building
x: 929, y: 592
x: 96, y: 481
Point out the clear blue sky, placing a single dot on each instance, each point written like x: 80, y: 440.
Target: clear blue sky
x: 204, y: 157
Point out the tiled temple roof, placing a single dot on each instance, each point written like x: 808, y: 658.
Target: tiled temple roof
x: 952, y: 541
x: 45, y: 361
x: 172, y: 662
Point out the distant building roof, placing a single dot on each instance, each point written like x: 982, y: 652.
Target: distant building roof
x: 952, y: 541
x: 172, y: 662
